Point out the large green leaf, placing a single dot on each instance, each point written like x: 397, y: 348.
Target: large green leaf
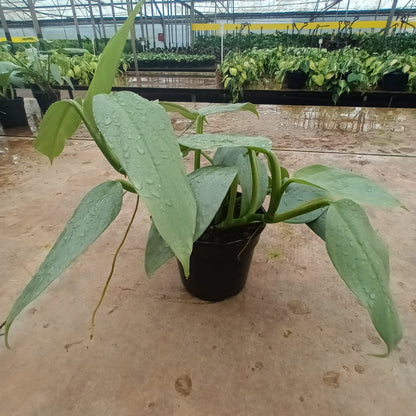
x: 140, y: 134
x: 94, y: 214
x: 177, y: 108
x: 60, y: 122
x: 362, y: 261
x: 228, y: 108
x: 211, y: 141
x: 343, y: 184
x: 109, y: 62
x: 206, y: 111
x: 296, y: 194
x: 210, y: 186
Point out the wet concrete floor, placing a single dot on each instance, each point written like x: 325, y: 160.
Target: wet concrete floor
x: 169, y: 79
x: 294, y: 342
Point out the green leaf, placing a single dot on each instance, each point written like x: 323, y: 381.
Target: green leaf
x: 343, y: 184
x: 216, y: 109
x: 318, y: 226
x: 210, y: 186
x: 94, y: 214
x: 318, y: 79
x: 60, y: 122
x: 141, y: 136
x: 296, y: 194
x: 362, y: 261
x: 176, y: 108
x: 109, y: 62
x: 211, y: 141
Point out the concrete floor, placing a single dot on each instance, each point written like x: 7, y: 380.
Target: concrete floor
x: 294, y: 342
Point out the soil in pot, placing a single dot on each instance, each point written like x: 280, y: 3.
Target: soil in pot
x: 220, y: 262
x: 295, y: 80
x: 13, y: 113
x: 395, y: 81
x: 45, y: 99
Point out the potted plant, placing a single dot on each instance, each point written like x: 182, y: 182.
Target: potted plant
x: 43, y: 75
x: 137, y: 138
x: 12, y: 109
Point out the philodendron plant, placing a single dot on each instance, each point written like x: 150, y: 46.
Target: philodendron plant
x: 137, y: 138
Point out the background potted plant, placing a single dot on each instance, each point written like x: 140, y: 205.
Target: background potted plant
x: 137, y: 138
x: 43, y: 75
x: 12, y: 109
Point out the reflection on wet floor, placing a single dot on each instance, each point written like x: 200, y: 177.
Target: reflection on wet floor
x: 169, y: 80
x: 347, y: 119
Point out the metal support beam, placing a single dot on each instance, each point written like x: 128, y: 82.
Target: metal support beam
x: 133, y: 38
x: 100, y: 9
x: 113, y: 13
x: 192, y: 15
x: 4, y: 24
x: 75, y: 17
x: 34, y: 19
x: 94, y: 30
x: 390, y: 18
x: 163, y: 23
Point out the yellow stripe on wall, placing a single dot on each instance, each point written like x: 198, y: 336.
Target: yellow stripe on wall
x: 359, y: 24
x: 21, y: 39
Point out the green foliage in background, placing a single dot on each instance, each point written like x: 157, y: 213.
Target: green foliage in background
x: 340, y: 71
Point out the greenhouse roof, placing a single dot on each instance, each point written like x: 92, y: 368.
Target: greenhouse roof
x: 18, y: 10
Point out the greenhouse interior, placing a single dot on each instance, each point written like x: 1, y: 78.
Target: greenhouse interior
x: 204, y: 207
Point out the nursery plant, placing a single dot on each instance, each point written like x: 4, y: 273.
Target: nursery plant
x: 12, y: 109
x: 227, y: 191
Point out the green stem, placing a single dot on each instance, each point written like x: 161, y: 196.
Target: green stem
x: 255, y: 183
x: 275, y: 196
x: 96, y: 135
x: 231, y: 206
x: 199, y: 130
x: 303, y: 209
x: 127, y: 186
x: 207, y: 157
x: 197, y: 159
x: 300, y: 210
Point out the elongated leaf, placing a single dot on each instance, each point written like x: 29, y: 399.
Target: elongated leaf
x: 109, y: 62
x: 211, y: 141
x: 228, y: 108
x: 60, y: 122
x: 296, y: 194
x: 318, y: 226
x: 362, y: 261
x: 343, y: 184
x: 94, y: 214
x: 227, y: 156
x: 210, y: 186
x: 140, y: 134
x: 176, y: 108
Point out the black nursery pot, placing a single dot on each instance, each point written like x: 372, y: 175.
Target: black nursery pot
x: 295, y: 80
x: 395, y: 81
x: 45, y: 99
x: 219, y: 268
x: 13, y: 113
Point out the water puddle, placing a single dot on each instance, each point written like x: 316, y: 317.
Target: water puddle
x: 340, y: 119
x: 201, y: 80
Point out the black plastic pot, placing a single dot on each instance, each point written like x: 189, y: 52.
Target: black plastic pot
x: 395, y: 81
x: 45, y: 99
x: 295, y: 80
x: 13, y: 113
x: 219, y: 268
